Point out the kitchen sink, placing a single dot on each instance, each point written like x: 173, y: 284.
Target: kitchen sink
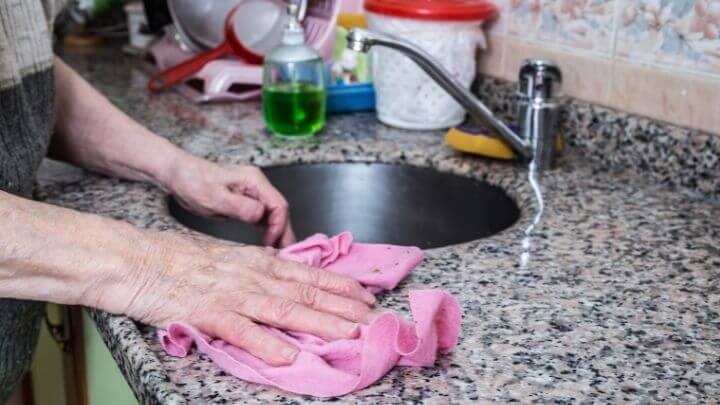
x: 378, y: 203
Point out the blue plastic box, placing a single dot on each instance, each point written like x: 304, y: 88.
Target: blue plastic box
x: 345, y: 98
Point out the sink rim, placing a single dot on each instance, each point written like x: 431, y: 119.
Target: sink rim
x: 478, y: 176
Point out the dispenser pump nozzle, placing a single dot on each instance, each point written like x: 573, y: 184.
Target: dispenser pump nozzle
x: 294, y: 33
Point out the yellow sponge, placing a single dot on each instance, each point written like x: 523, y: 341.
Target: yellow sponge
x: 481, y: 142
x: 478, y: 143
x: 351, y: 20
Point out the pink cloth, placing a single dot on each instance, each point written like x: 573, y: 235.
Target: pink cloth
x: 377, y: 267
x: 327, y: 369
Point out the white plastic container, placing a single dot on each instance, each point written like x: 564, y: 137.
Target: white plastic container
x: 407, y: 97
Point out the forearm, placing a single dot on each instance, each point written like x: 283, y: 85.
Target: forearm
x: 94, y: 134
x: 53, y: 254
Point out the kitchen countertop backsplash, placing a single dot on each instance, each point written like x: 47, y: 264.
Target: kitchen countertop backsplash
x: 619, y: 303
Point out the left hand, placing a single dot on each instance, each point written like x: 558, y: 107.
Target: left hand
x: 240, y: 192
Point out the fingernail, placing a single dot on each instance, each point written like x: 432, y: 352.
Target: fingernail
x: 351, y: 329
x: 368, y: 297
x: 289, y: 353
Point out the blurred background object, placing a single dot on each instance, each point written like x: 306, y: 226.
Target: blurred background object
x: 350, y: 88
x: 157, y: 14
x: 235, y: 78
x: 137, y: 25
x: 86, y: 11
x: 199, y: 25
x: 86, y: 23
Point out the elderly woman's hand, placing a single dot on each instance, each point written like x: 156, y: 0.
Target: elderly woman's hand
x: 49, y: 253
x: 227, y: 290
x: 240, y: 192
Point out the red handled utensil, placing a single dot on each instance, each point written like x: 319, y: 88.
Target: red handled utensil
x: 252, y: 28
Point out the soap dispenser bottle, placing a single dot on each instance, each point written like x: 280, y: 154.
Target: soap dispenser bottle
x: 294, y: 84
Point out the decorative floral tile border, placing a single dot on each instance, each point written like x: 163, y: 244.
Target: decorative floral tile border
x: 678, y: 33
x: 582, y: 24
x: 586, y: 24
x: 531, y: 20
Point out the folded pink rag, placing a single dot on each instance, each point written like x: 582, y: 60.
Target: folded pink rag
x: 327, y: 369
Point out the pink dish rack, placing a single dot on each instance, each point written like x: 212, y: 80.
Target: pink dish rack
x: 233, y: 79
x: 219, y: 80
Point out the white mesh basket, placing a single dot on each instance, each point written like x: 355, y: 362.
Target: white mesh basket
x: 407, y: 97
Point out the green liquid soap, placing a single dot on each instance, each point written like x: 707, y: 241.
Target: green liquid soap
x: 294, y: 109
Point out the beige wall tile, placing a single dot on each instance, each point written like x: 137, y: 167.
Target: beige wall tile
x: 684, y: 99
x: 490, y: 61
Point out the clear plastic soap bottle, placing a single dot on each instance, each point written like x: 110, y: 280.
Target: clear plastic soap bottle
x: 294, y: 84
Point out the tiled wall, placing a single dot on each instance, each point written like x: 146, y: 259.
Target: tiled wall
x: 659, y: 58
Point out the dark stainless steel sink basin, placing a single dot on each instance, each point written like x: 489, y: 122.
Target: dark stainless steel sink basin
x: 378, y: 202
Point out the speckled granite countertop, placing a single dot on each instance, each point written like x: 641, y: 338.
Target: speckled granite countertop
x: 620, y: 302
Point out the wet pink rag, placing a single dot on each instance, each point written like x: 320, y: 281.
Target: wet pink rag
x: 327, y: 369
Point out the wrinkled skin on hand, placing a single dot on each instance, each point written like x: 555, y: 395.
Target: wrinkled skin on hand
x: 225, y: 290
x: 240, y: 192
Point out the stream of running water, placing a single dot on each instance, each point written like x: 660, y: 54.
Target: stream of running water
x: 539, y: 208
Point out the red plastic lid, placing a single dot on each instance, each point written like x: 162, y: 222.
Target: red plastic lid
x: 437, y: 10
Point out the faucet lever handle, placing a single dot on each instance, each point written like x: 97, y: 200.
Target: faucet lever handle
x: 539, y: 80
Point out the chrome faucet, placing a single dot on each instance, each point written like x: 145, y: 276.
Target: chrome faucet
x: 538, y: 93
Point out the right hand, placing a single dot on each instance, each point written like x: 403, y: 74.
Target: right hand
x: 227, y: 291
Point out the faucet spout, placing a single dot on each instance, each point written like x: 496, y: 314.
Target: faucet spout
x: 362, y: 40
